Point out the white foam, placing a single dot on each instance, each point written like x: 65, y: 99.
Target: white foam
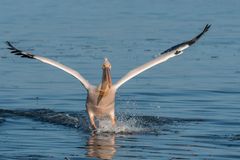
x: 124, y: 127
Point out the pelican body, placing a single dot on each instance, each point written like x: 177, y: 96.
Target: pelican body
x: 100, y: 100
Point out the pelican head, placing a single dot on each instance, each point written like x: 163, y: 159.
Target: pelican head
x: 106, y: 64
x: 106, y: 78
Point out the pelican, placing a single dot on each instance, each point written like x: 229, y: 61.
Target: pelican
x: 100, y: 100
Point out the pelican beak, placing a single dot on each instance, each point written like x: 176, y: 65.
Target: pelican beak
x: 108, y: 78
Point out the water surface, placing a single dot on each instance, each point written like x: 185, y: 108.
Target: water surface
x: 186, y: 108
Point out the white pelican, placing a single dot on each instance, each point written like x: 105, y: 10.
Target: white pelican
x: 101, y: 99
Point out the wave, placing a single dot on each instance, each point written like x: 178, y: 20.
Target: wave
x: 2, y: 120
x: 126, y: 123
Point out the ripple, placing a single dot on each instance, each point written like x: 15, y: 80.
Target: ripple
x: 2, y: 120
x: 126, y: 124
x: 22, y: 157
x: 235, y: 137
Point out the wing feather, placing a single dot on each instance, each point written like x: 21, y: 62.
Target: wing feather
x: 164, y: 56
x: 70, y: 71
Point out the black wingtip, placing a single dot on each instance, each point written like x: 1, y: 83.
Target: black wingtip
x: 192, y: 41
x: 10, y: 46
x: 206, y: 28
x: 8, y: 43
x: 180, y: 47
x: 18, y: 52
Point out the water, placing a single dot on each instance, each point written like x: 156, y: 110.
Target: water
x: 186, y: 108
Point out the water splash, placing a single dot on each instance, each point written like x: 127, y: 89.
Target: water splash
x: 122, y: 126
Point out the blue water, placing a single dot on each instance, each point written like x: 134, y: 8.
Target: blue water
x: 186, y: 108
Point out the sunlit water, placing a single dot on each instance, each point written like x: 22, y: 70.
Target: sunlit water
x: 186, y: 108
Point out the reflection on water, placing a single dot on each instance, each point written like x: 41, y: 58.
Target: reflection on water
x: 101, y: 146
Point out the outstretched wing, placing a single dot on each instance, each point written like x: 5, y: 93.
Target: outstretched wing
x: 74, y: 73
x: 164, y: 56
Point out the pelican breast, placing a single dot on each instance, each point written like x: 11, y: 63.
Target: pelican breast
x: 105, y: 106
